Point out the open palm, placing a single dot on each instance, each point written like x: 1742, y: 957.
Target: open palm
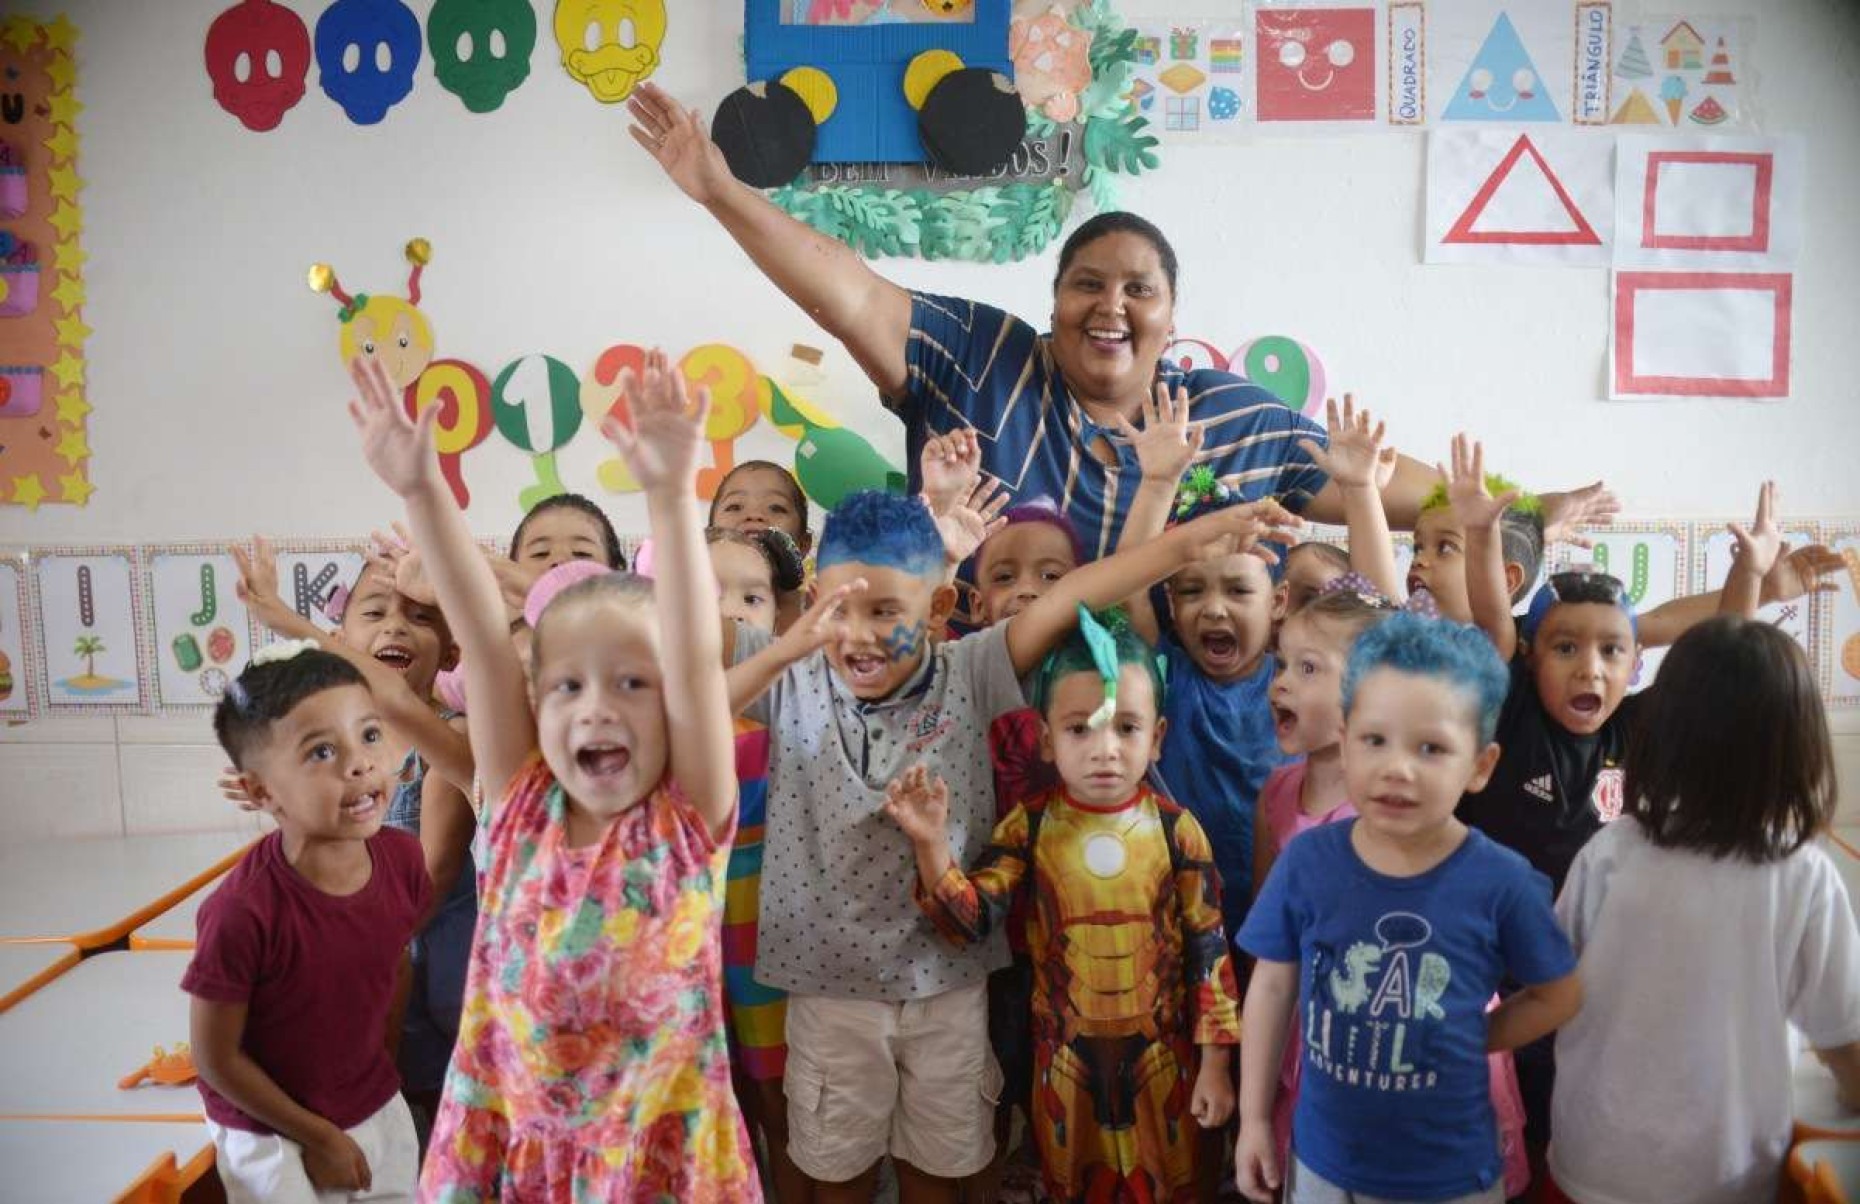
x: 398, y: 448
x: 659, y: 443
x: 674, y: 137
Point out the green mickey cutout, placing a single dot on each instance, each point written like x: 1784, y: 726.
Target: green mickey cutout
x: 466, y: 57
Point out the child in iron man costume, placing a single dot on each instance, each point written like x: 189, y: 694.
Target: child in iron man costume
x: 1131, y: 969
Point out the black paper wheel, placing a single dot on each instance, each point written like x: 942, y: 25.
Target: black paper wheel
x: 766, y: 133
x: 972, y: 121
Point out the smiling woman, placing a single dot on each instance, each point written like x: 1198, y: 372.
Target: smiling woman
x: 1054, y: 410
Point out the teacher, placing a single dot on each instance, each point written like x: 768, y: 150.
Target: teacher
x: 1048, y: 408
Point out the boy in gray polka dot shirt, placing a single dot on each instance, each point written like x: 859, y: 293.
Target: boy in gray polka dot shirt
x: 887, y: 1025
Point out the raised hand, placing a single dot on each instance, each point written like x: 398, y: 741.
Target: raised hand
x: 1167, y: 444
x: 1801, y: 571
x: 1566, y: 515
x: 967, y: 524
x: 398, y: 448
x: 675, y: 137
x: 950, y: 465
x: 660, y: 443
x: 1760, y: 544
x: 231, y: 785
x: 1355, y: 456
x: 822, y: 623
x: 918, y: 802
x: 257, y: 586
x: 1473, y: 503
x: 1248, y: 527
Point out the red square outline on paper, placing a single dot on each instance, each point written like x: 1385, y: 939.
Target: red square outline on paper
x: 1757, y: 240
x: 1628, y: 284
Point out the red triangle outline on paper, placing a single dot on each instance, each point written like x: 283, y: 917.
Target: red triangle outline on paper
x: 1583, y: 235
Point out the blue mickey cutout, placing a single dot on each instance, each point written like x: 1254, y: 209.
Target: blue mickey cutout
x: 372, y: 30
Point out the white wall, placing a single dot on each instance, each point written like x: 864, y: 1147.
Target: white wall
x: 218, y: 392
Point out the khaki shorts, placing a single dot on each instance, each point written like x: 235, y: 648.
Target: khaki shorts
x: 1305, y: 1186
x: 914, y: 1080
x: 264, y: 1168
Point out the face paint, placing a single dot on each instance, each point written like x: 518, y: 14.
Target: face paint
x: 905, y: 642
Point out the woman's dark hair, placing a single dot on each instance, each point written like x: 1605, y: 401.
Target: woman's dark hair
x: 1731, y: 755
x: 1117, y: 222
x: 266, y: 692
x: 787, y: 569
x: 610, y: 539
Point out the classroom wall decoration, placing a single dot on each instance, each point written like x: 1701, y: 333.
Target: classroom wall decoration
x: 481, y: 48
x: 1713, y: 548
x: 1680, y: 72
x: 202, y: 633
x: 609, y: 46
x: 1723, y: 217
x: 1316, y: 63
x: 44, y: 452
x: 90, y: 625
x: 1504, y: 63
x: 1288, y: 369
x: 1189, y: 79
x: 366, y: 55
x: 16, y: 673
x: 1014, y: 211
x: 1841, y: 645
x: 258, y: 57
x: 1511, y: 196
x: 314, y: 577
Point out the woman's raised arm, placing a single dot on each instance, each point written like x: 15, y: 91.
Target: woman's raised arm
x: 867, y: 313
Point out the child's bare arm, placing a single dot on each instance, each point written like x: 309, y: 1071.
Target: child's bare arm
x: 918, y: 802
x: 963, y: 908
x: 1479, y: 512
x: 502, y: 727
x: 1844, y: 1062
x: 1358, y: 464
x: 1534, y: 1012
x: 1758, y: 547
x: 1243, y: 528
x: 1267, y: 1017
x: 750, y: 679
x: 1165, y: 447
x: 331, y: 1158
x: 660, y: 448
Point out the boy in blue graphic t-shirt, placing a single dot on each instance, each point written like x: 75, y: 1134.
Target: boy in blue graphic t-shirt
x: 1385, y: 936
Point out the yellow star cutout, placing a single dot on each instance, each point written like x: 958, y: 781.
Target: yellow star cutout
x: 67, y: 220
x: 64, y: 109
x: 71, y: 409
x: 74, y: 488
x: 69, y: 257
x: 63, y: 73
x: 72, y: 447
x: 20, y: 33
x: 71, y: 331
x: 28, y: 491
x: 70, y: 293
x: 61, y: 34
x: 62, y: 143
x: 65, y: 182
x: 69, y: 370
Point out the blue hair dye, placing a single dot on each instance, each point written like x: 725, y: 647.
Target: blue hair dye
x: 886, y: 530
x: 1457, y: 653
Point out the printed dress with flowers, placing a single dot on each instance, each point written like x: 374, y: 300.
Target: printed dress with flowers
x: 1130, y: 973
x: 591, y: 1062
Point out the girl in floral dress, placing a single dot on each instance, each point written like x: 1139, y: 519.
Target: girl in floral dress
x: 591, y: 1062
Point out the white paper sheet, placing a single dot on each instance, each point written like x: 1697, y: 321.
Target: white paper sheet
x: 202, y: 633
x: 88, y: 623
x: 1501, y: 63
x: 1519, y: 196
x: 1722, y: 204
x: 1701, y: 334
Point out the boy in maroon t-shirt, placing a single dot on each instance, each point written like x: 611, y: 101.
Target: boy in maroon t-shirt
x: 298, y: 952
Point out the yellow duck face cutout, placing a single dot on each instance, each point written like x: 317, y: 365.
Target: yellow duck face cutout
x: 609, y: 46
x: 391, y: 330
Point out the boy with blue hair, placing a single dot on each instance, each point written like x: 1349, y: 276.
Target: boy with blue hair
x: 887, y: 1025
x: 1385, y: 936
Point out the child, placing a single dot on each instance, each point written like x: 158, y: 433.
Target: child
x: 758, y: 495
x: 887, y: 1038
x: 591, y: 1063
x: 1131, y: 972
x: 1309, y: 567
x: 1707, y: 923
x: 299, y: 949
x: 404, y: 644
x: 1440, y: 547
x: 564, y: 527
x: 1386, y: 934
x: 753, y: 565
x: 754, y: 569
